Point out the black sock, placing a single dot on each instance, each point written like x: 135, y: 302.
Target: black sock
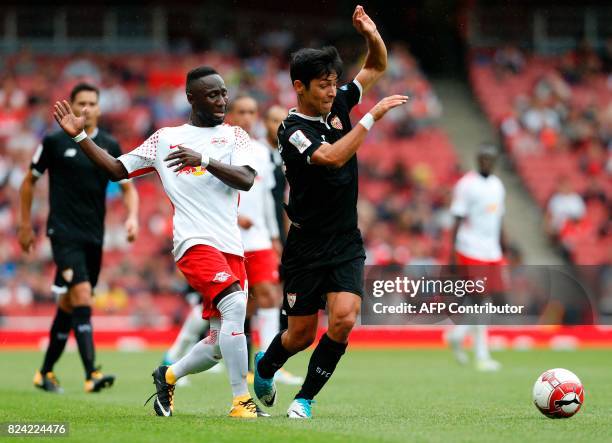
x: 83, y: 332
x: 249, y: 342
x: 58, y: 336
x: 284, y: 320
x: 274, y: 358
x: 322, y: 363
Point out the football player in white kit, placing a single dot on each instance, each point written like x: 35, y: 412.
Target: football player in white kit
x: 202, y: 165
x: 260, y: 236
x: 477, y: 240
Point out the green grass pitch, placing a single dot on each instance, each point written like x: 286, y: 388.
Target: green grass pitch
x: 375, y: 395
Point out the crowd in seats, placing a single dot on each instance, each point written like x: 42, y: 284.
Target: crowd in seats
x: 555, y: 118
x: 408, y: 165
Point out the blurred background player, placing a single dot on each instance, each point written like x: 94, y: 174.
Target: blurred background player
x: 260, y: 237
x: 477, y: 240
x: 272, y: 120
x: 323, y: 260
x: 77, y: 194
x: 202, y: 184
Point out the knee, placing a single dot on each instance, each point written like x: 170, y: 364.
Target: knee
x: 267, y: 295
x: 340, y: 326
x: 233, y: 307
x: 80, y: 294
x: 298, y: 340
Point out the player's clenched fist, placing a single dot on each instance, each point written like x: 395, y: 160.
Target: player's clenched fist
x: 381, y: 108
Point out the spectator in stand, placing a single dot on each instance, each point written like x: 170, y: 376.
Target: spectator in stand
x: 593, y: 160
x: 508, y: 60
x: 563, y: 205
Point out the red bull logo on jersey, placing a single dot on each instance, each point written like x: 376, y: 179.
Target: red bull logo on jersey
x: 219, y: 141
x: 193, y: 170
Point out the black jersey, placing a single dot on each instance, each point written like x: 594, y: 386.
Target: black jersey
x: 77, y: 187
x: 322, y: 200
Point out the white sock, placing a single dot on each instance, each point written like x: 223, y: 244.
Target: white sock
x: 192, y: 329
x: 268, y: 320
x: 481, y: 342
x: 204, y: 355
x: 458, y: 333
x: 232, y: 340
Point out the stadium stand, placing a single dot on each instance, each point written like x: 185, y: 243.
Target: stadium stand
x: 408, y: 167
x: 555, y: 119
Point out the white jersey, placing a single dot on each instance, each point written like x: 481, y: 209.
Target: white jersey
x: 205, y: 208
x: 480, y: 201
x: 258, y: 204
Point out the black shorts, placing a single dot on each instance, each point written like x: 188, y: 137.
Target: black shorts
x: 76, y: 262
x: 305, y: 291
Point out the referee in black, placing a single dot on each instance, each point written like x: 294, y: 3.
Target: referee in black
x: 77, y: 193
x: 323, y: 259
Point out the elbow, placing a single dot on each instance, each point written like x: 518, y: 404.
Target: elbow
x: 322, y: 158
x: 247, y: 184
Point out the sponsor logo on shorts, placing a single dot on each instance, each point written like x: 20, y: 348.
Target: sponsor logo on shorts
x: 291, y: 297
x: 237, y: 333
x: 68, y: 274
x: 221, y: 277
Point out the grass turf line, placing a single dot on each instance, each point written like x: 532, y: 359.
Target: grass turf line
x: 386, y: 395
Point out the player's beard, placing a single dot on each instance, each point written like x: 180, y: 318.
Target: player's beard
x: 209, y: 119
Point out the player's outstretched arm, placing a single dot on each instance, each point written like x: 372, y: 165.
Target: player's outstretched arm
x: 376, y: 58
x: 73, y: 126
x: 237, y: 177
x: 337, y: 154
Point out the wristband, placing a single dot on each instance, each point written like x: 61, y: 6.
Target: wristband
x: 367, y: 121
x: 81, y: 136
x: 205, y: 160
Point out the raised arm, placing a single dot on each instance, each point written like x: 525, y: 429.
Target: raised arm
x: 237, y: 177
x: 74, y: 126
x: 335, y: 155
x: 376, y: 59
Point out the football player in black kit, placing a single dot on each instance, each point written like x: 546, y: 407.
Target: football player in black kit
x: 77, y: 194
x: 323, y: 260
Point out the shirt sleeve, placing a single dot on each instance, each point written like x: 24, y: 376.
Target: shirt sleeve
x: 242, y: 154
x: 352, y: 93
x: 459, y: 205
x: 141, y: 160
x: 300, y: 143
x: 41, y: 157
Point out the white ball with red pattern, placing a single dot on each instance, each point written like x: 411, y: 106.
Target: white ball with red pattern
x: 558, y: 393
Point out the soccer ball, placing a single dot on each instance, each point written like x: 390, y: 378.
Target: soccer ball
x: 558, y: 393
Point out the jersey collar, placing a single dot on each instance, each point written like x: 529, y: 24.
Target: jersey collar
x: 94, y: 134
x: 320, y: 119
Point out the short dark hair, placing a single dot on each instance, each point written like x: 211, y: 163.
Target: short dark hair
x: 83, y: 87
x: 197, y: 73
x: 240, y: 96
x: 309, y: 63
